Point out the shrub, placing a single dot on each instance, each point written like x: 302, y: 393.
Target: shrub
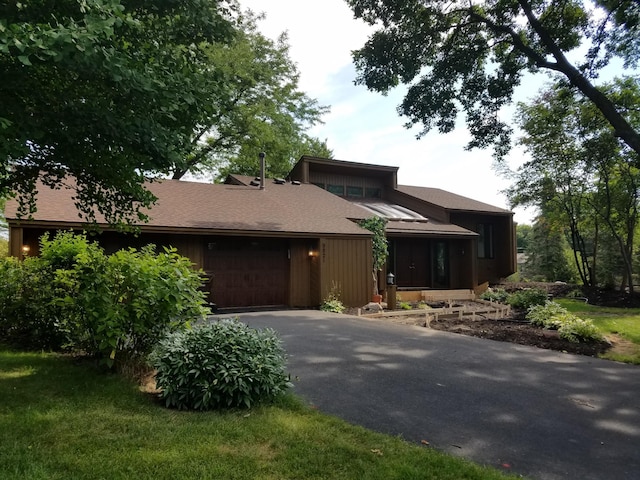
x: 404, y: 305
x: 223, y: 364
x: 543, y: 315
x: 75, y: 296
x: 28, y: 316
x: 570, y: 327
x: 499, y: 295
x: 525, y: 299
x: 332, y: 302
x: 579, y: 330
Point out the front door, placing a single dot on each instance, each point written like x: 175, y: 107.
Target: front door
x: 411, y: 262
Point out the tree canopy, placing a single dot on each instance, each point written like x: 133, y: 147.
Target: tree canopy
x: 104, y: 92
x: 470, y: 55
x: 262, y: 109
x: 579, y: 175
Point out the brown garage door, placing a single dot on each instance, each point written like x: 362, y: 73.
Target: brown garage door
x: 248, y: 272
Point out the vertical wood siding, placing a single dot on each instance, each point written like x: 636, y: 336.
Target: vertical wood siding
x: 346, y: 265
x: 300, y: 272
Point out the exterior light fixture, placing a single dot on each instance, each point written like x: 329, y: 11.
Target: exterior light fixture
x: 390, y: 278
x: 25, y: 249
x: 313, y: 253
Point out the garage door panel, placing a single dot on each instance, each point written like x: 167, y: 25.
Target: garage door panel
x: 248, y: 272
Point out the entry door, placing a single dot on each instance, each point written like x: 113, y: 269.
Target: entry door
x: 248, y: 272
x: 411, y: 262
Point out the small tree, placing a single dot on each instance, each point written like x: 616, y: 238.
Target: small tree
x: 376, y: 225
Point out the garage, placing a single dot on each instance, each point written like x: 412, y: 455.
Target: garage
x: 248, y: 272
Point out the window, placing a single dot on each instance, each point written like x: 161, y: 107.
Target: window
x: 485, y: 240
x: 355, y: 192
x: 372, y: 192
x: 336, y: 189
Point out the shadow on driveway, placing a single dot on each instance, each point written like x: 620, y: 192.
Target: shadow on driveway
x: 539, y: 413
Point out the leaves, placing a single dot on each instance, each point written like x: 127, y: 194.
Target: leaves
x: 465, y: 57
x: 222, y: 364
x: 105, y: 92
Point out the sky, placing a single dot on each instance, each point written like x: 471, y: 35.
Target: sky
x: 364, y: 126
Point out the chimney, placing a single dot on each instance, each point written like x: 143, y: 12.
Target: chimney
x: 262, y: 167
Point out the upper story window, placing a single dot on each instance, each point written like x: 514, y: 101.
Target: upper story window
x: 370, y: 192
x: 485, y: 240
x: 336, y: 189
x: 357, y: 192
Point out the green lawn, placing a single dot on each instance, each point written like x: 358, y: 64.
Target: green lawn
x: 60, y: 420
x: 624, y: 322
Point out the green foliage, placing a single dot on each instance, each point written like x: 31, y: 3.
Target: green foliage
x: 332, y: 302
x: 380, y: 245
x: 29, y: 318
x: 107, y: 306
x: 223, y: 364
x: 547, y: 259
x: 466, y: 56
x: 4, y: 247
x: 499, y: 295
x: 524, y: 299
x: 404, y: 305
x: 578, y: 330
x: 553, y: 316
x: 118, y: 86
x: 583, y: 180
x: 262, y: 110
x: 523, y: 234
x: 544, y: 315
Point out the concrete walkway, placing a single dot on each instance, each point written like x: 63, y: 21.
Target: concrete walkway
x: 538, y: 413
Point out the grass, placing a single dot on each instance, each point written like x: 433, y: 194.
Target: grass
x: 63, y: 420
x: 622, y: 322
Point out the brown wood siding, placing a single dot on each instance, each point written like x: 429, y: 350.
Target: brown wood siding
x: 504, y: 260
x: 346, y: 265
x: 300, y: 272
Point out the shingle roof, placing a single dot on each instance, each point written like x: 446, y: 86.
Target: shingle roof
x: 448, y: 200
x: 288, y: 208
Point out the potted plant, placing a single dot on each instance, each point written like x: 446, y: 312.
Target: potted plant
x: 376, y: 225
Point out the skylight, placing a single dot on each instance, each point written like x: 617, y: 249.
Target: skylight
x: 391, y: 211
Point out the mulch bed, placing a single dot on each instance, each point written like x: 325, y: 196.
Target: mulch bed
x: 514, y: 329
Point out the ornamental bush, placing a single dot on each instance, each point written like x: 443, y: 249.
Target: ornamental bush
x: 112, y: 307
x: 223, y: 364
x: 570, y: 327
x: 543, y: 315
x: 579, y: 330
x: 499, y: 295
x: 526, y: 299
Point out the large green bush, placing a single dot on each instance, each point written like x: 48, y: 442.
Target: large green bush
x: 78, y: 297
x: 223, y: 364
x: 570, y: 327
x: 525, y: 299
x: 29, y: 318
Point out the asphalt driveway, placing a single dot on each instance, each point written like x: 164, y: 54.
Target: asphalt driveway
x: 542, y: 414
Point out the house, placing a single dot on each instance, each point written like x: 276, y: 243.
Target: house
x: 290, y: 242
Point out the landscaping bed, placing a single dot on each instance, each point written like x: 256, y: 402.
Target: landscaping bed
x: 513, y: 328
